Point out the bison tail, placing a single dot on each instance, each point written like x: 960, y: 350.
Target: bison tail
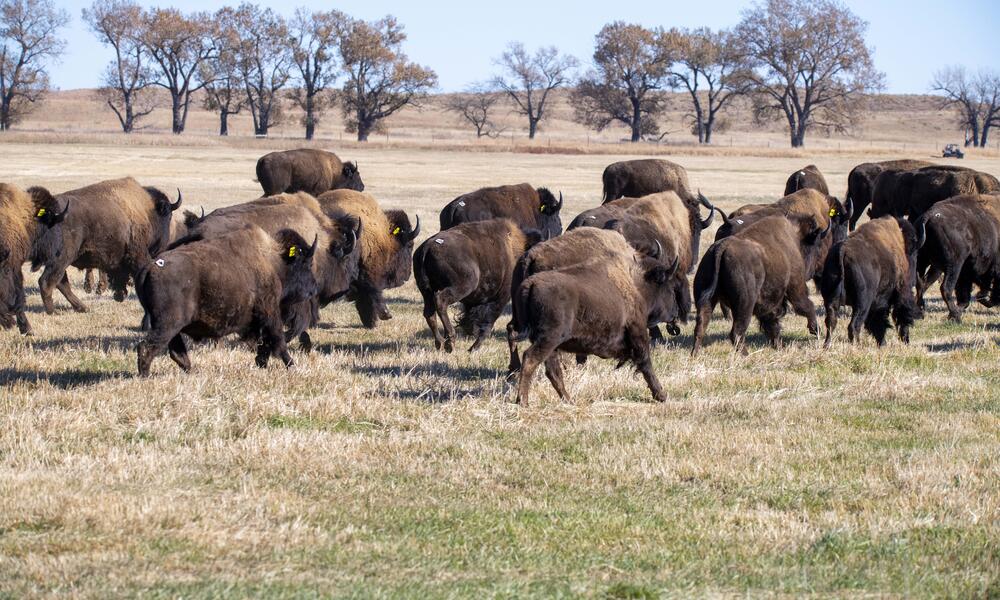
x: 419, y: 268
x: 520, y: 301
x: 706, y: 279
x: 832, y: 282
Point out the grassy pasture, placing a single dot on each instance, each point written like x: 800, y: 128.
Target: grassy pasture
x: 379, y: 467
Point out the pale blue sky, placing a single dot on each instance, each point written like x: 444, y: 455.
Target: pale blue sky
x: 912, y: 38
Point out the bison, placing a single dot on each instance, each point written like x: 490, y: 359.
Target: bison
x: 861, y: 182
x: 759, y: 271
x: 963, y: 242
x: 873, y: 271
x: 386, y: 249
x: 306, y: 170
x: 530, y: 208
x: 912, y: 193
x: 637, y: 178
x: 471, y: 263
x: 30, y: 230
x: 233, y: 283
x: 116, y: 226
x: 594, y: 307
x: 808, y: 177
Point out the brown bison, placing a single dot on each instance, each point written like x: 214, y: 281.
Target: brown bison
x: 873, y: 271
x: 530, y: 208
x: 306, y: 170
x: 808, y: 177
x: 861, y: 182
x: 912, y: 193
x: 470, y: 263
x: 637, y: 178
x: 234, y: 283
x: 30, y: 230
x: 596, y: 307
x: 759, y: 271
x: 116, y: 226
x: 386, y: 250
x: 963, y: 242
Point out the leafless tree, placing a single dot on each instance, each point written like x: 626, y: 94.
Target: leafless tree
x: 225, y: 90
x: 262, y: 58
x: 29, y: 31
x: 126, y: 79
x: 476, y: 106
x: 710, y: 67
x: 179, y: 46
x: 631, y: 64
x: 810, y: 63
x: 529, y: 79
x: 977, y: 100
x: 315, y: 36
x: 380, y: 78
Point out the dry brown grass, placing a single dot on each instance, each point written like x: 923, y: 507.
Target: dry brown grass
x: 379, y: 467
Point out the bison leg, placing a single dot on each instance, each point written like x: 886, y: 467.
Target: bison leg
x: 487, y: 317
x: 656, y: 336
x: 102, y: 283
x: 742, y: 314
x: 830, y: 321
x: 515, y: 362
x: 272, y: 342
x: 703, y: 318
x: 637, y: 339
x: 771, y: 326
x: 155, y: 344
x: 442, y: 300
x: 66, y: 290
x: 179, y: 353
x: 533, y: 357
x: 430, y: 315
x: 877, y: 323
x: 858, y: 317
x: 803, y: 306
x: 948, y: 292
x: 88, y: 281
x: 554, y: 371
x: 20, y: 317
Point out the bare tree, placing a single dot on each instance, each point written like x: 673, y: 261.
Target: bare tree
x: 529, y: 79
x: 631, y: 64
x: 977, y: 100
x: 125, y: 82
x: 29, y: 33
x: 380, y: 78
x: 178, y: 45
x: 225, y: 90
x: 263, y: 60
x: 476, y: 107
x: 810, y: 63
x: 710, y: 67
x: 314, y: 42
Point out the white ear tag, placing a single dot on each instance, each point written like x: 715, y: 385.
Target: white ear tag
x: 438, y: 241
x: 461, y: 202
x: 160, y: 262
x: 592, y: 217
x: 739, y: 221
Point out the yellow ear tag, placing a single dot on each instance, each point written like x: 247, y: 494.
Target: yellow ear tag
x: 41, y: 212
x: 396, y: 231
x: 833, y: 212
x: 541, y: 208
x: 292, y: 251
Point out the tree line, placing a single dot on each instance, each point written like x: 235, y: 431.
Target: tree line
x: 804, y: 63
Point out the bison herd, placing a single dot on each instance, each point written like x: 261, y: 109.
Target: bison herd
x: 264, y: 269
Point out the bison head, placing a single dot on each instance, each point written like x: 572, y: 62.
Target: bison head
x: 840, y: 218
x: 351, y: 177
x: 666, y: 290
x: 400, y: 263
x: 299, y: 284
x: 49, y: 214
x: 548, y: 212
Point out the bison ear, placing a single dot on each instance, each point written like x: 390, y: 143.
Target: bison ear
x: 349, y: 169
x: 41, y: 197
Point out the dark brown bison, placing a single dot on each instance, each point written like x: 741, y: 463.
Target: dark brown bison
x: 808, y: 177
x: 306, y: 170
x: 873, y: 271
x: 30, y: 230
x: 758, y: 272
x: 912, y: 193
x: 470, y: 263
x: 861, y: 182
x: 589, y: 247
x: 963, y: 242
x: 386, y: 250
x: 116, y: 226
x: 232, y: 284
x: 598, y: 307
x: 335, y: 266
x: 641, y: 177
x: 530, y: 208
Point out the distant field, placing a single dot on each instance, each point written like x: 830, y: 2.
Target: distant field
x: 379, y: 467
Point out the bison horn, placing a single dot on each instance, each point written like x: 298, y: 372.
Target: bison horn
x: 708, y: 220
x: 676, y: 263
x: 704, y: 201
x: 659, y: 249
x: 202, y: 213
x: 558, y: 206
x: 922, y: 237
x: 416, y: 231
x: 180, y: 198
x: 354, y: 242
x: 58, y: 217
x: 312, y: 249
x: 849, y: 209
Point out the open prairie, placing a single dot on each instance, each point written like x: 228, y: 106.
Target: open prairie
x: 380, y: 467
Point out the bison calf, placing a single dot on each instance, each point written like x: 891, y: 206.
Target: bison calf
x: 873, y: 272
x: 234, y: 283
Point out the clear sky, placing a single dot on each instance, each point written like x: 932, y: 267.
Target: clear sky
x: 912, y: 38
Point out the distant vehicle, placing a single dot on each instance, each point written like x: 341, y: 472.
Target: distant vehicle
x: 952, y: 151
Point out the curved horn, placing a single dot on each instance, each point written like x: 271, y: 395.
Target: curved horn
x: 708, y: 220
x: 180, y: 198
x: 922, y: 236
x: 416, y: 230
x: 849, y: 209
x: 677, y: 263
x: 354, y: 243
x: 312, y: 249
x: 659, y: 249
x: 559, y: 205
x: 704, y: 201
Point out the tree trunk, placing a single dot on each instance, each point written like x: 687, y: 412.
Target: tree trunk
x: 310, y: 118
x: 982, y: 138
x: 177, y: 124
x: 532, y: 128
x: 5, y: 115
x: 224, y: 123
x: 364, y: 129
x: 799, y: 136
x: 974, y: 142
x: 262, y: 124
x: 709, y: 124
x: 636, y: 121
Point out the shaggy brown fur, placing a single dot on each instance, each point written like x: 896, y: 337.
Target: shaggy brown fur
x: 912, y: 193
x: 306, y: 170
x: 808, y: 177
x: 861, y: 182
x: 530, y: 208
x: 637, y: 178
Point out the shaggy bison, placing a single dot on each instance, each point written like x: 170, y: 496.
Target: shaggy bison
x: 30, y: 230
x: 808, y: 177
x: 596, y: 307
x: 530, y: 208
x: 116, y: 226
x: 306, y: 170
x: 386, y: 249
x: 234, y: 283
x: 759, y: 271
x: 861, y: 182
x: 470, y: 263
x: 637, y: 178
x: 912, y: 193
x: 873, y: 271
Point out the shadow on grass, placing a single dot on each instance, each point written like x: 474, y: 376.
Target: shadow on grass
x: 433, y: 369
x: 65, y: 380
x: 98, y: 343
x: 955, y: 346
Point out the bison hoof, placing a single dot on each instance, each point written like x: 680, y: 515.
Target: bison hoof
x: 120, y: 295
x: 80, y: 309
x: 673, y: 329
x: 449, y: 346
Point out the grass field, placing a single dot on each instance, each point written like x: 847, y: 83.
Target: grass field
x: 379, y: 467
